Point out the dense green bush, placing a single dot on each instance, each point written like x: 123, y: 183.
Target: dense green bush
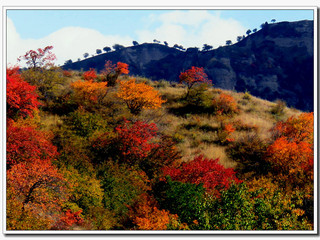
x: 184, y: 199
x: 84, y: 123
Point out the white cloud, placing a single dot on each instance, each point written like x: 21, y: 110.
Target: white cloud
x: 193, y: 29
x: 68, y: 43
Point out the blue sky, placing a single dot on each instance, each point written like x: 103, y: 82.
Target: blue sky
x: 73, y: 32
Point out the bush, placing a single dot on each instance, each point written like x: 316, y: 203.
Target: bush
x: 208, y: 172
x: 48, y: 81
x: 84, y: 123
x: 279, y: 108
x: 122, y: 186
x: 225, y: 104
x: 199, y: 97
x: 184, y: 199
x: 249, y: 152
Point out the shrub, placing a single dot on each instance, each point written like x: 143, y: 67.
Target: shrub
x: 279, y: 108
x: 198, y: 97
x: 225, y: 104
x: 84, y: 123
x: 84, y: 189
x: 27, y: 144
x: 224, y: 133
x: 145, y: 214
x: 249, y: 152
x: 67, y: 73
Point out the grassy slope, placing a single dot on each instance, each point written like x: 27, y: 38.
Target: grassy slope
x: 197, y: 132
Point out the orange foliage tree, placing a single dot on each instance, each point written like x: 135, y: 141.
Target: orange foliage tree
x: 145, y: 214
x: 138, y: 96
x: 35, y: 189
x: 291, y: 152
x: 89, y: 91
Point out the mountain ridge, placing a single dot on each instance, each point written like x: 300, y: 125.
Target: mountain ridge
x: 276, y: 62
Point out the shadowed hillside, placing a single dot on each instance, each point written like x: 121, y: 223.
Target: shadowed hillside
x: 273, y: 63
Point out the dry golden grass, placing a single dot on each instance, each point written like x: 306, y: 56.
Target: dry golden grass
x: 214, y: 151
x: 200, y: 137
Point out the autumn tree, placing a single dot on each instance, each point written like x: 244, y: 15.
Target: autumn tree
x: 37, y: 188
x: 112, y: 71
x: 27, y: 144
x: 90, y: 75
x: 138, y: 96
x: 89, y: 91
x: 68, y: 220
x: 209, y: 172
x: 131, y: 142
x: 146, y: 215
x: 193, y: 76
x: 291, y: 152
x: 39, y: 58
x: 22, y: 98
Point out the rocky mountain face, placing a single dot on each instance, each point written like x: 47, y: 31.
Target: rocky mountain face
x: 276, y: 62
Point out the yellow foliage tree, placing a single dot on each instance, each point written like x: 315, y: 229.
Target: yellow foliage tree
x: 139, y: 96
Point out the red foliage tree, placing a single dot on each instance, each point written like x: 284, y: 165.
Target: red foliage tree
x: 192, y: 76
x: 22, y: 98
x: 39, y: 58
x: 26, y: 144
x: 68, y: 219
x: 129, y: 142
x: 90, y: 75
x: 135, y: 138
x: 213, y: 175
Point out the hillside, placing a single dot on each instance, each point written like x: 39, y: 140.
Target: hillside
x: 85, y: 152
x: 276, y: 62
